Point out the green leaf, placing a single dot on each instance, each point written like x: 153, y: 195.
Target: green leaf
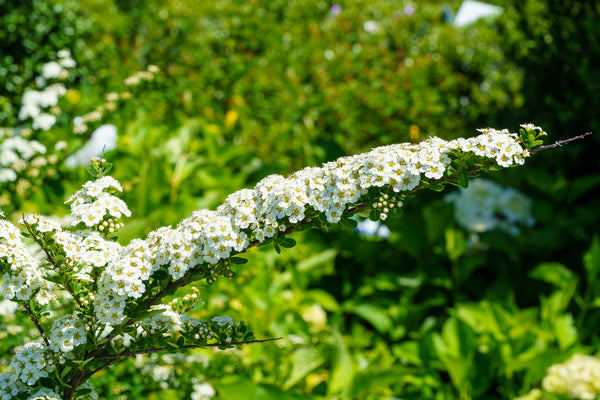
x: 370, y: 380
x: 566, y: 332
x: 277, y: 248
x: 238, y: 260
x: 325, y: 299
x: 456, y: 243
x: 438, y: 187
x: 348, y: 223
x: 580, y: 186
x: 65, y: 371
x: 160, y: 275
x: 408, y: 352
x: 463, y: 179
x: 287, y: 242
x: 376, y: 316
x: 324, y: 258
x: 591, y: 261
x: 106, y: 169
x: 304, y: 361
x: 455, y: 348
x: 374, y: 215
x: 553, y: 273
x: 342, y: 372
x: 397, y: 212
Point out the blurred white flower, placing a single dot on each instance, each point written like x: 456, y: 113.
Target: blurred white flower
x: 51, y: 70
x: 103, y: 139
x: 579, y: 378
x: 372, y: 27
x: 373, y: 228
x: 485, y: 205
x: 203, y: 391
x: 470, y: 11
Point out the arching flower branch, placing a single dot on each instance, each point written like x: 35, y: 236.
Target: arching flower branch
x: 108, y: 297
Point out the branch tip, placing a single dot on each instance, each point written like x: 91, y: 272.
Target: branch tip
x: 559, y: 143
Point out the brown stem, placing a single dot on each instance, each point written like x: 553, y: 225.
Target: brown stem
x: 560, y: 143
x: 37, y: 323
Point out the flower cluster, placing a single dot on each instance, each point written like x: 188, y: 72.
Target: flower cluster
x: 67, y: 333
x: 141, y: 76
x: 579, y: 378
x: 23, y: 278
x: 16, y: 154
x: 35, y: 102
x: 24, y: 163
x: 31, y: 363
x: 94, y: 201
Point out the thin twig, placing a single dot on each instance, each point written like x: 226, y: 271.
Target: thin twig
x: 36, y: 322
x: 560, y: 143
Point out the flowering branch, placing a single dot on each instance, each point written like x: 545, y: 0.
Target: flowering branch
x: 118, y: 289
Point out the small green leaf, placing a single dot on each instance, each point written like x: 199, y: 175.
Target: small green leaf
x: 437, y: 187
x: 463, y: 179
x: 591, y: 260
x: 565, y: 330
x: 65, y: 371
x: 397, y: 212
x: 553, y: 273
x: 83, y: 391
x: 287, y: 242
x: 277, y: 248
x: 374, y: 215
x: 304, y: 360
x: 106, y: 169
x: 238, y: 260
x: 375, y: 315
x: 348, y: 223
x: 160, y: 275
x: 342, y: 372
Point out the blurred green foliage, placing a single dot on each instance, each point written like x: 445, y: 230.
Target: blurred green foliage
x: 252, y: 88
x: 312, y: 83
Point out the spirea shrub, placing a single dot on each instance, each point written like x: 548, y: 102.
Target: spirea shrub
x: 95, y: 301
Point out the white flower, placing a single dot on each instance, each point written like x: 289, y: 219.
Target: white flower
x: 485, y: 205
x: 203, y: 391
x: 51, y: 70
x: 373, y: 228
x: 67, y: 333
x: 579, y: 378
